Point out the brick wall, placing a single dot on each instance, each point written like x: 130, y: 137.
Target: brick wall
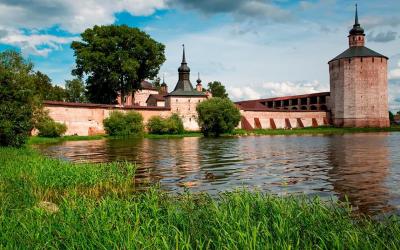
x: 359, y: 95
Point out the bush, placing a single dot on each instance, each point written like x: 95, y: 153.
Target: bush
x: 170, y: 125
x: 18, y: 99
x: 49, y: 128
x: 217, y: 116
x: 123, y: 124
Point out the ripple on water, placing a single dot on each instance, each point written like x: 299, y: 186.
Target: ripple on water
x: 365, y: 168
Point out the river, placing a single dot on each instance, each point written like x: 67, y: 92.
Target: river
x: 363, y: 167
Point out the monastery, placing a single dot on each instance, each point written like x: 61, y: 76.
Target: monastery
x: 358, y: 97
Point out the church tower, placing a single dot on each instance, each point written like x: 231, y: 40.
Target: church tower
x: 358, y: 83
x: 184, y: 98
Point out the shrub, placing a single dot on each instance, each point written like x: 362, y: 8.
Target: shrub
x: 170, y: 125
x: 49, y: 128
x: 217, y: 116
x: 123, y: 124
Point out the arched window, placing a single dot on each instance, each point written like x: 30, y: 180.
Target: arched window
x: 313, y: 107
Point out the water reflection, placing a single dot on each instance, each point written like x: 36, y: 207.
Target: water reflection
x: 363, y: 167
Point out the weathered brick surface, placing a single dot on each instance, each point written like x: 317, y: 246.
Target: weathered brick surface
x: 359, y: 95
x: 185, y: 107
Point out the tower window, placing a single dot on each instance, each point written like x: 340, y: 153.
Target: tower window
x: 373, y: 59
x: 176, y: 100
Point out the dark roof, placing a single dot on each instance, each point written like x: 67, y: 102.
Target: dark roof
x: 108, y: 106
x: 248, y: 102
x: 147, y: 85
x: 158, y: 97
x: 192, y: 92
x: 358, y: 51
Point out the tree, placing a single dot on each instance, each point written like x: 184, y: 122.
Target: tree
x: 217, y: 89
x: 116, y: 59
x: 391, y: 117
x: 217, y: 115
x: 46, y: 90
x: 19, y: 99
x: 75, y: 90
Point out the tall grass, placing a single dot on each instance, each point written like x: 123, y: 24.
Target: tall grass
x: 98, y: 208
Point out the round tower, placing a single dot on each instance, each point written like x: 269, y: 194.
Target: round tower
x: 358, y: 84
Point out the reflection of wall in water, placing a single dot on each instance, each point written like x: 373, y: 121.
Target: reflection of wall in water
x: 360, y: 165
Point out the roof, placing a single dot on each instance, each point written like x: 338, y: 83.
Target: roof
x: 180, y: 92
x: 358, y: 51
x: 93, y: 105
x: 147, y: 85
x: 157, y: 97
x: 283, y: 98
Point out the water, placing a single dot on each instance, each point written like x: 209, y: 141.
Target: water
x: 365, y: 168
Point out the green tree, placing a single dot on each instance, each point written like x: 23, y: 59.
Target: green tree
x: 46, y: 90
x: 19, y: 99
x: 75, y: 90
x: 116, y: 59
x: 217, y: 89
x: 391, y: 117
x: 124, y: 124
x: 217, y: 115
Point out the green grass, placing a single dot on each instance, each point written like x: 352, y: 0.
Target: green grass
x: 318, y: 130
x: 237, y: 132
x: 45, y: 140
x: 99, y: 208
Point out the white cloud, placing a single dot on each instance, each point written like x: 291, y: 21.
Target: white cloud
x: 34, y: 44
x: 72, y: 17
x: 244, y: 93
x: 394, y: 73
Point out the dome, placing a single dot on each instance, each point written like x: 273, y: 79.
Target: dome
x: 183, y: 68
x: 357, y: 30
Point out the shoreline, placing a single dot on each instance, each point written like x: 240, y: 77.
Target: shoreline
x: 33, y: 140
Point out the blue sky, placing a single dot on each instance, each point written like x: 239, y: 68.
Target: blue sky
x: 257, y: 48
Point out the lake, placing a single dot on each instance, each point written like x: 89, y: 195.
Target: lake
x: 363, y: 167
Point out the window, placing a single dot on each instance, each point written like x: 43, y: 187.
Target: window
x: 176, y: 100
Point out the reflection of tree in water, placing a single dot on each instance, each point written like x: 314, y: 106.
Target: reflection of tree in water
x: 360, y: 165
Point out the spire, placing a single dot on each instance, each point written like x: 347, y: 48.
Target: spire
x: 163, y: 80
x: 356, y: 18
x: 183, y: 56
x: 198, y: 78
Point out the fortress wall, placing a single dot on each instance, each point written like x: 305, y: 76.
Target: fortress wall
x: 87, y: 119
x: 284, y: 118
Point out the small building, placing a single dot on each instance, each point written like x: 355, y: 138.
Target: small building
x: 139, y: 97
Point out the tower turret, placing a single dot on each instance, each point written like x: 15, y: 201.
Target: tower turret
x: 356, y: 34
x: 199, y: 86
x: 163, y: 87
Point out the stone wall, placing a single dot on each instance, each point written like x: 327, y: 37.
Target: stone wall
x: 185, y: 107
x: 87, y: 119
x: 259, y: 119
x: 359, y: 95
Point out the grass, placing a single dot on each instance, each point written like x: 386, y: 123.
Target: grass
x: 96, y: 206
x: 310, y: 130
x: 45, y: 140
x: 237, y: 132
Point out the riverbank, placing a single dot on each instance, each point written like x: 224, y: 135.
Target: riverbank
x: 237, y: 132
x: 49, y: 203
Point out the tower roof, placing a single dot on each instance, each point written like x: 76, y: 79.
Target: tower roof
x: 184, y: 86
x: 357, y: 29
x: 198, y: 78
x: 358, y: 51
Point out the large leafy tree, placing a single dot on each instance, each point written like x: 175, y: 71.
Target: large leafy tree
x: 46, y: 90
x: 75, y: 90
x: 217, y: 89
x: 217, y: 115
x: 115, y: 60
x: 19, y: 99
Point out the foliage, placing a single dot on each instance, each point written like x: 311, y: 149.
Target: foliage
x: 75, y: 90
x: 47, y: 127
x: 18, y: 99
x: 46, y: 90
x: 97, y: 206
x: 124, y: 124
x: 391, y: 116
x: 217, y: 89
x: 217, y: 116
x: 116, y: 59
x: 170, y: 125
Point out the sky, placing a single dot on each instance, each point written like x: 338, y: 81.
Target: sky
x: 256, y: 48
